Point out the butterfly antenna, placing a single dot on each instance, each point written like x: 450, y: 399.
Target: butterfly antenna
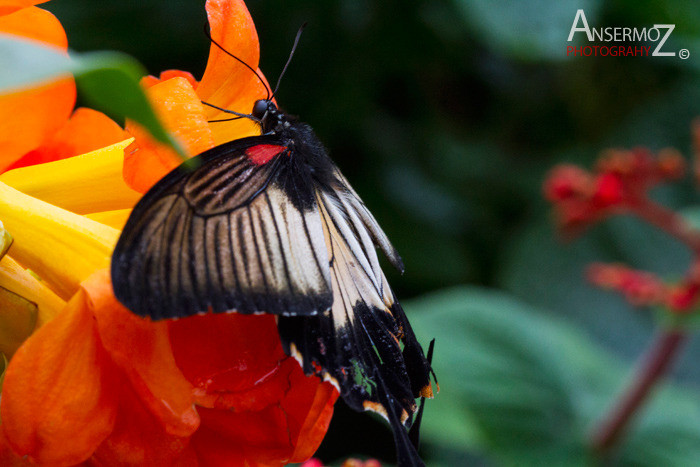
x: 207, y: 32
x: 238, y: 114
x: 219, y: 120
x: 291, y: 54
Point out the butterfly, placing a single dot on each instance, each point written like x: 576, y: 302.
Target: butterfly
x: 268, y: 224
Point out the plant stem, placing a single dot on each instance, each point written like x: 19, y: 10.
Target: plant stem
x: 670, y: 222
x: 656, y: 363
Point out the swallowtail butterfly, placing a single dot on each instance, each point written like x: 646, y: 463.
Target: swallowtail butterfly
x: 268, y: 224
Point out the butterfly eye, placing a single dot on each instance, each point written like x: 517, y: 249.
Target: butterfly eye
x: 260, y: 107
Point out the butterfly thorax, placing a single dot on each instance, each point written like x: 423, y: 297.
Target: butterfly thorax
x: 308, y: 156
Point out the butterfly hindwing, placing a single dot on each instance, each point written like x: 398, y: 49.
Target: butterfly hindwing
x: 363, y: 344
x: 226, y: 236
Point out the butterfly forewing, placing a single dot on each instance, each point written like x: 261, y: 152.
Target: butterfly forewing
x: 223, y: 237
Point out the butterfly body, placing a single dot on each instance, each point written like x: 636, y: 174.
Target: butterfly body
x: 268, y: 224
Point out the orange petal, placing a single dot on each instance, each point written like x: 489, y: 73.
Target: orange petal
x: 59, y: 397
x: 139, y: 439
x: 308, y: 418
x: 87, y: 130
x: 233, y: 360
x: 35, y: 23
x: 29, y: 117
x: 289, y: 431
x: 8, y: 457
x: 233, y: 28
x: 237, y: 364
x: 240, y: 98
x: 226, y: 82
x: 147, y: 161
x: 148, y: 81
x: 10, y: 6
x: 142, y: 349
x: 242, y: 439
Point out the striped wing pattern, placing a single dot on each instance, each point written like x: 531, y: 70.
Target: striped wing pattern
x: 364, y: 343
x: 224, y: 237
x: 245, y: 232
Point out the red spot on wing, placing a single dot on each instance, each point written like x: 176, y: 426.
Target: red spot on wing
x: 263, y: 153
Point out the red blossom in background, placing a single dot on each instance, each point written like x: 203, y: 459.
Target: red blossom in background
x: 639, y: 287
x: 620, y: 184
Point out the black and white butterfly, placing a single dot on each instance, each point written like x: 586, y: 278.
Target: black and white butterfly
x: 268, y: 224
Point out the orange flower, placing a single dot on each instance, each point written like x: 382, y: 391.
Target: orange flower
x: 127, y: 393
x: 37, y: 123
x: 178, y: 97
x: 99, y: 385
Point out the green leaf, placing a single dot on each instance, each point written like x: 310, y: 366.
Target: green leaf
x: 536, y: 30
x: 692, y: 216
x: 527, y: 389
x: 499, y: 375
x: 546, y: 272
x: 109, y: 81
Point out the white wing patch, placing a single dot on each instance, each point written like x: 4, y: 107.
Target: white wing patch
x: 355, y: 272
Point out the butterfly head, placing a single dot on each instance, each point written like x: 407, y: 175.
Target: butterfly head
x: 270, y: 117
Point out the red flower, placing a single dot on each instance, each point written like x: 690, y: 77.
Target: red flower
x: 639, y: 287
x: 620, y: 183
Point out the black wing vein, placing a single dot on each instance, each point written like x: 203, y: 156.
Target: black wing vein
x: 189, y: 247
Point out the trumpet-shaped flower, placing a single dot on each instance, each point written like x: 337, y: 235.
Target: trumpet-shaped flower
x: 39, y: 124
x: 178, y: 97
x: 95, y: 383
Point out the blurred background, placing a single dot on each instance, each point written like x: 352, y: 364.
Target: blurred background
x: 446, y: 116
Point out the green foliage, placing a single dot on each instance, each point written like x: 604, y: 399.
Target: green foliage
x: 446, y: 115
x: 526, y: 388
x: 523, y: 29
x: 108, y: 81
x: 550, y: 273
